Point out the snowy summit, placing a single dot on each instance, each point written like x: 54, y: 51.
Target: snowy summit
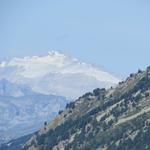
x: 56, y: 73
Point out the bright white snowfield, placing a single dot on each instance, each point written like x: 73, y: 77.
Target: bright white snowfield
x: 56, y: 74
x: 34, y: 89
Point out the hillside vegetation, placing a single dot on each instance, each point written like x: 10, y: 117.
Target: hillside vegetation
x: 113, y: 119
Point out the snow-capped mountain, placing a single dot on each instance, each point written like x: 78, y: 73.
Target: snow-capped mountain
x: 57, y: 74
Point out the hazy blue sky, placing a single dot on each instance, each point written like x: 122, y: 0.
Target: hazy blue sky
x: 112, y: 33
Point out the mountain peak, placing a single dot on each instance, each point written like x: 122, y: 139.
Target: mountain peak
x: 55, y: 53
x: 54, y: 73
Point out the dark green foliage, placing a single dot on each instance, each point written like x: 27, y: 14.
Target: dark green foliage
x: 45, y: 123
x: 71, y: 105
x: 121, y: 82
x: 117, y: 111
x: 41, y: 139
x: 60, y: 112
x: 148, y: 68
x: 147, y: 94
x: 98, y: 91
x: 139, y: 71
x: 131, y: 75
x: 87, y: 95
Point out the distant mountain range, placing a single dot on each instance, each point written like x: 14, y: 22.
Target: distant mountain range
x: 34, y: 89
x: 25, y: 111
x: 113, y: 119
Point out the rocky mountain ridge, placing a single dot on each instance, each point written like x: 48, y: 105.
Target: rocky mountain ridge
x: 113, y: 119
